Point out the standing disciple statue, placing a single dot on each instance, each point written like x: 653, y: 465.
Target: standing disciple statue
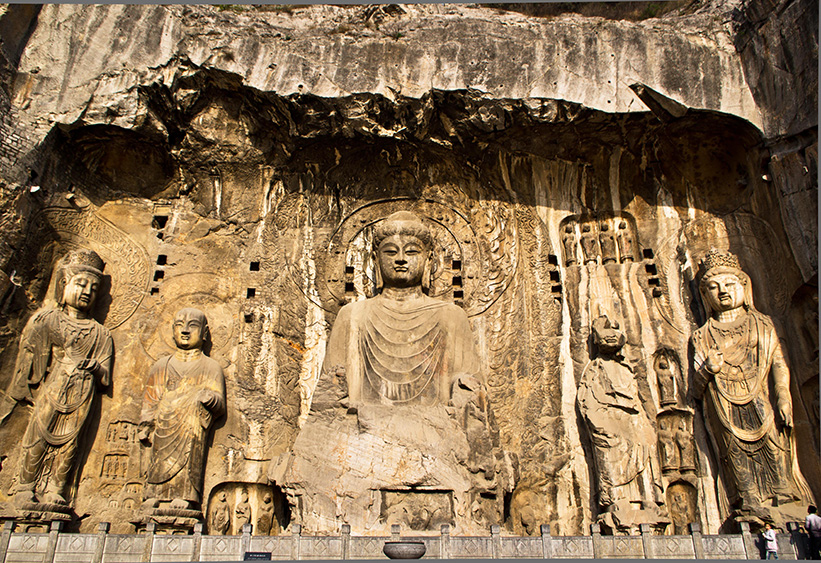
x: 590, y: 244
x: 624, y: 442
x: 184, y: 395
x: 625, y: 240
x: 68, y: 355
x: 742, y: 377
x: 608, y: 243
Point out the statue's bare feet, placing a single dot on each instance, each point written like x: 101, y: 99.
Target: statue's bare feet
x: 179, y: 504
x: 54, y: 498
x: 24, y: 497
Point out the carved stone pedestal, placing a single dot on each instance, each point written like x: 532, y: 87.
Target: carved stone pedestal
x: 174, y: 521
x: 37, y: 517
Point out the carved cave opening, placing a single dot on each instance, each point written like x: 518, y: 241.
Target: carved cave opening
x: 259, y: 209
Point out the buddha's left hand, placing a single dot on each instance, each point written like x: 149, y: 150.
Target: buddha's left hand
x: 785, y: 412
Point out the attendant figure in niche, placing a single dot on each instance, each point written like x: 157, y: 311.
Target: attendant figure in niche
x: 742, y: 377
x: 265, y: 520
x: 608, y: 243
x: 68, y: 355
x: 666, y: 380
x: 686, y: 446
x: 590, y: 244
x: 624, y: 441
x: 242, y: 513
x: 625, y: 240
x: 220, y: 515
x: 184, y: 395
x: 569, y: 243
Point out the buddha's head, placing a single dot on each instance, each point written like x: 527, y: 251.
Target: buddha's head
x: 724, y: 286
x: 607, y: 336
x: 190, y: 329
x: 403, y: 248
x: 79, y: 274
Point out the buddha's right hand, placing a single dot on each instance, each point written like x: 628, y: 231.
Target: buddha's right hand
x: 714, y: 361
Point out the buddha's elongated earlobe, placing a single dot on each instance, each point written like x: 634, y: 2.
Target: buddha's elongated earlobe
x: 377, y: 274
x: 427, y: 273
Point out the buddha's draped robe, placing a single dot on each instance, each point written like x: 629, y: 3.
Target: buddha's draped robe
x: 405, y: 352
x: 172, y: 401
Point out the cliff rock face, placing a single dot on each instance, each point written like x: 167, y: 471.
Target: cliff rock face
x: 237, y: 161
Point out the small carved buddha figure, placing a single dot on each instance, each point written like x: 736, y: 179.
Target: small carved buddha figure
x: 625, y: 240
x: 590, y: 244
x: 666, y: 380
x: 686, y: 446
x: 68, y: 355
x: 624, y: 441
x: 742, y: 376
x: 185, y: 393
x: 668, y: 448
x: 569, y: 243
x: 608, y: 243
x: 220, y: 515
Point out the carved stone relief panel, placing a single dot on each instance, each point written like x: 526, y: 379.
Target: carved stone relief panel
x: 232, y: 505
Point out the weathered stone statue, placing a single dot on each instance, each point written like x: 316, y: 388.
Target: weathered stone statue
x: 569, y: 243
x: 242, y: 512
x: 624, y: 442
x: 67, y: 355
x: 590, y: 244
x: 220, y: 515
x: 401, y: 380
x: 625, y: 240
x: 608, y: 243
x: 265, y: 519
x: 666, y: 377
x: 185, y: 393
x: 741, y: 374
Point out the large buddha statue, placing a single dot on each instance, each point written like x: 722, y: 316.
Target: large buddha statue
x: 400, y: 423
x: 65, y: 356
x: 742, y: 377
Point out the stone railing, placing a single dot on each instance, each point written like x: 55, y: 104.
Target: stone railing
x: 102, y: 547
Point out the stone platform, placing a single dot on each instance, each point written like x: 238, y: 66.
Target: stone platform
x: 102, y: 547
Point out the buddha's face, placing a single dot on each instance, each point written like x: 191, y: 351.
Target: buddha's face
x: 608, y: 337
x: 724, y: 292
x: 81, y: 291
x: 188, y: 331
x: 401, y: 259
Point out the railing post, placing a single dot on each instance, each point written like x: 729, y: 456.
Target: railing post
x: 5, y: 537
x: 195, y: 554
x: 395, y: 536
x: 496, y: 541
x: 296, y: 537
x: 102, y: 532
x: 53, y: 536
x: 797, y: 540
x: 246, y: 539
x: 646, y: 541
x: 749, y: 544
x: 598, y: 552
x: 444, y: 547
x: 698, y: 540
x: 346, y: 541
x: 150, y: 530
x: 547, y: 541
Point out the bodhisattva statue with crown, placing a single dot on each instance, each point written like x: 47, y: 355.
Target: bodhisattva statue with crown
x: 400, y: 429
x: 65, y: 356
x: 742, y: 377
